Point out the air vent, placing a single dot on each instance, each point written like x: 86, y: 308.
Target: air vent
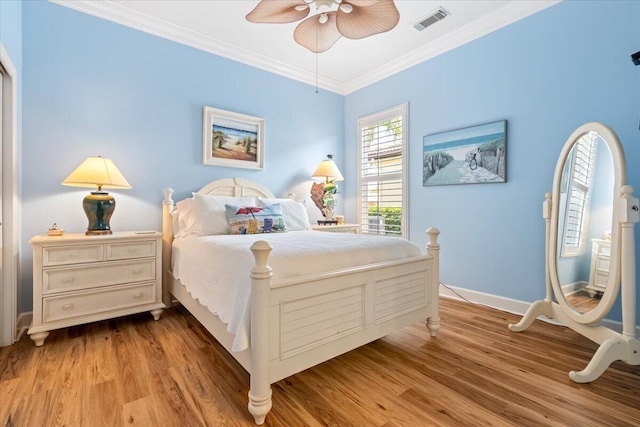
x: 434, y: 16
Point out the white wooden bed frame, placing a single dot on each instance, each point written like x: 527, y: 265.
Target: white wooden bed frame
x: 276, y: 350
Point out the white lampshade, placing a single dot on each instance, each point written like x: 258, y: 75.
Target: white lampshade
x: 328, y: 170
x: 96, y: 171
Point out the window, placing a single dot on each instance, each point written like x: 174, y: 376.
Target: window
x: 581, y: 163
x: 382, y: 172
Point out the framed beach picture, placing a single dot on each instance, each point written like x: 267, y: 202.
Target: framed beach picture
x: 473, y: 155
x: 232, y: 139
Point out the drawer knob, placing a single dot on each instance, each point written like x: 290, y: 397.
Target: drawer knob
x: 137, y: 295
x: 73, y: 255
x: 67, y: 279
x: 137, y: 271
x: 67, y: 307
x: 132, y: 250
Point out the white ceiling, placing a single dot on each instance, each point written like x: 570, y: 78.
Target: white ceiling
x: 219, y: 27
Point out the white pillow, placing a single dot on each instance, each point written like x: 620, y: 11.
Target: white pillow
x: 210, y: 213
x: 295, y: 213
x: 184, y: 220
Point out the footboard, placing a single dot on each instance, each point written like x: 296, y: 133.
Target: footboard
x: 298, y: 323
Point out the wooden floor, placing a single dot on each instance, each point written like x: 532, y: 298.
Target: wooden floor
x: 134, y: 371
x: 582, y: 302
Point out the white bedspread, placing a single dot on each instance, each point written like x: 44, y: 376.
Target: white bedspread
x: 215, y: 269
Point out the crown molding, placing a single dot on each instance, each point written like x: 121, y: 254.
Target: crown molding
x: 509, y: 14
x: 112, y: 11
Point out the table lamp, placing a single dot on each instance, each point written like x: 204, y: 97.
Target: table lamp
x: 322, y: 194
x: 99, y: 205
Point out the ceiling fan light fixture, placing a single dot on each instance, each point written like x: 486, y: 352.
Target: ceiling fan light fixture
x: 346, y: 8
x: 354, y: 19
x: 323, y: 6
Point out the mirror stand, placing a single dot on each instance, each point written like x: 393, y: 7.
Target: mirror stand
x: 614, y: 346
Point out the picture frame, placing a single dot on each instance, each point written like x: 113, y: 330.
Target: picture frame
x: 471, y: 155
x: 232, y: 139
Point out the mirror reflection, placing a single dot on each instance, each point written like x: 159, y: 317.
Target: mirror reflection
x: 585, y: 221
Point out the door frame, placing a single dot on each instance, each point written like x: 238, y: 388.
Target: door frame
x: 10, y: 217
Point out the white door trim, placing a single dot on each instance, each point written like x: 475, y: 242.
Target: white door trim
x: 10, y: 218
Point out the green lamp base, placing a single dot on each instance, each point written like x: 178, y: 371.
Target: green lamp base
x: 98, y: 206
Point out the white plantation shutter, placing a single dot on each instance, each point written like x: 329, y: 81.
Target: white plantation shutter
x: 578, y: 199
x: 382, y: 172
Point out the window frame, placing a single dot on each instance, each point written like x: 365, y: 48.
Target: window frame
x: 574, y: 189
x: 401, y: 110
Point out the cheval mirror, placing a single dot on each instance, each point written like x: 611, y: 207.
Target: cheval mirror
x: 590, y: 249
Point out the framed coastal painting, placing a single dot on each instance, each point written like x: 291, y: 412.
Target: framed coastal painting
x: 472, y: 155
x: 232, y: 139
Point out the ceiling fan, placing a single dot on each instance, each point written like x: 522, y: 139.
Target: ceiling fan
x: 354, y: 19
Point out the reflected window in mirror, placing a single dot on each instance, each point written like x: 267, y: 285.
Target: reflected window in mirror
x: 578, y: 181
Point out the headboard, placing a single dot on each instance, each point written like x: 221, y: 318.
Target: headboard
x: 236, y: 187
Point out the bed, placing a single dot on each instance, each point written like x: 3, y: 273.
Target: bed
x: 296, y: 319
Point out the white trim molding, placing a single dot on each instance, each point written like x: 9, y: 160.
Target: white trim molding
x: 112, y: 11
x: 23, y: 324
x: 10, y: 207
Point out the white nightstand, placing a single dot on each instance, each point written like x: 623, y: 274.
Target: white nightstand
x: 340, y: 228
x: 80, y: 279
x: 599, y: 272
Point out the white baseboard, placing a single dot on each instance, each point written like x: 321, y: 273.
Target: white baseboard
x: 23, y: 323
x: 509, y: 305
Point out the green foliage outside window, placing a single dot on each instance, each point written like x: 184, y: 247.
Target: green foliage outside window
x: 392, y: 218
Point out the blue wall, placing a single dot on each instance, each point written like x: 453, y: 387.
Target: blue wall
x: 11, y: 29
x: 546, y: 75
x: 93, y: 87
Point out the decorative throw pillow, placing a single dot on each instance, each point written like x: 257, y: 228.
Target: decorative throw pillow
x: 294, y: 212
x: 254, y: 219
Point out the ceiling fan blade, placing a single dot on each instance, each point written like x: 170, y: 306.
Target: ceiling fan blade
x: 367, y: 18
x: 361, y: 3
x: 315, y: 36
x: 278, y: 12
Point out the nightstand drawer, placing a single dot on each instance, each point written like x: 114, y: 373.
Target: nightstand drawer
x: 61, y: 255
x: 105, y: 274
x: 131, y: 250
x: 74, y: 305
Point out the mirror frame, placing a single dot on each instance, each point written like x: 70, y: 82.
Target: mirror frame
x: 613, y: 284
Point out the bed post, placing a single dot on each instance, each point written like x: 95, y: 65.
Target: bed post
x: 433, y: 249
x: 260, y: 388
x: 167, y: 240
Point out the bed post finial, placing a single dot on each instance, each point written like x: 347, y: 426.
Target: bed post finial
x: 433, y: 233
x: 433, y: 249
x: 168, y: 192
x: 260, y: 388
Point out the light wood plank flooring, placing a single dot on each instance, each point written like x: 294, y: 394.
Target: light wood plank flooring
x: 582, y: 302
x: 134, y: 371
